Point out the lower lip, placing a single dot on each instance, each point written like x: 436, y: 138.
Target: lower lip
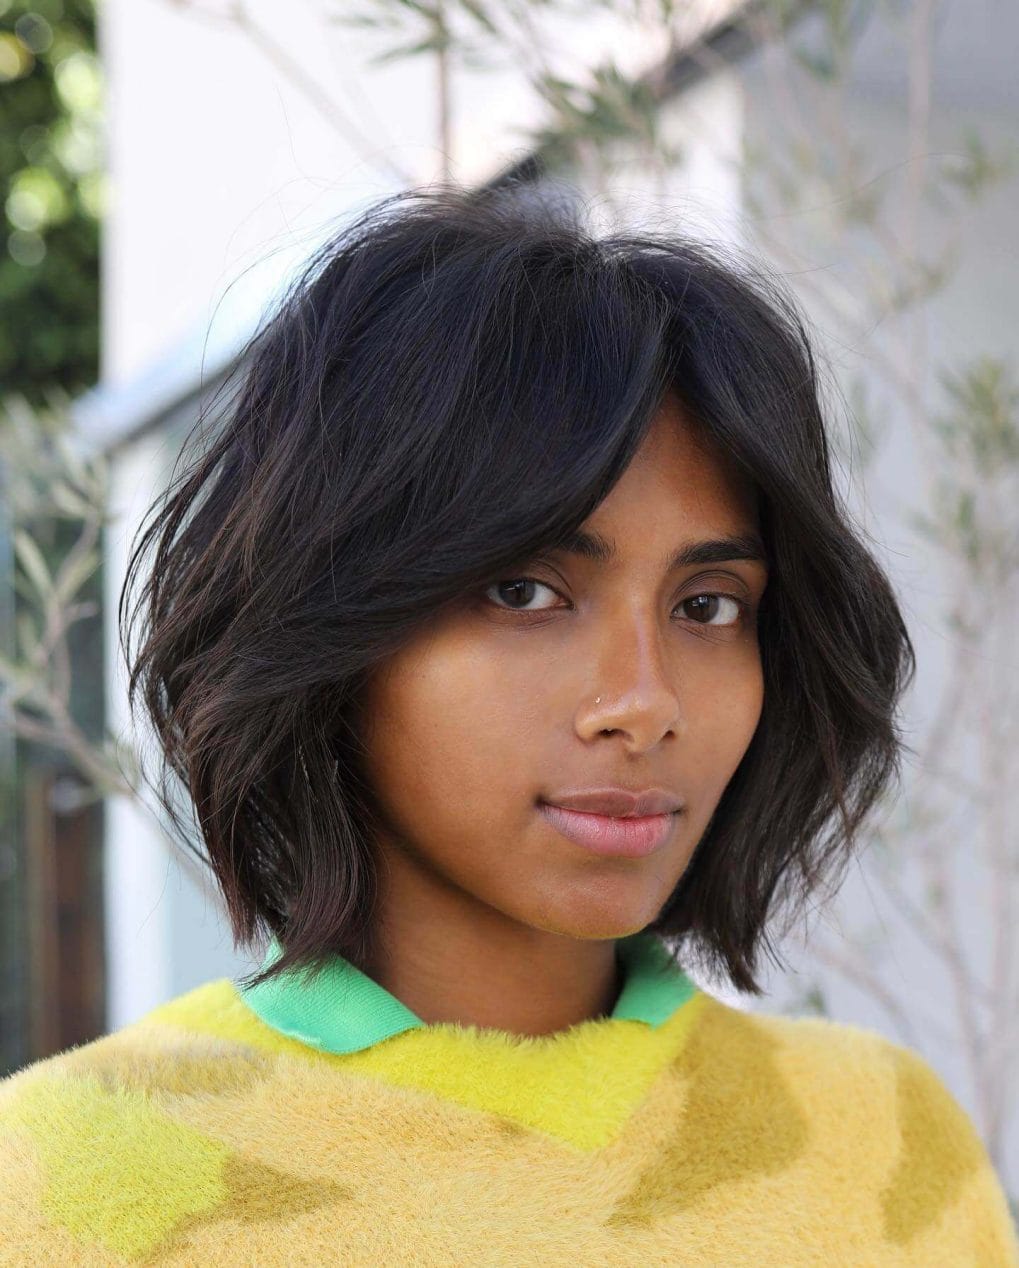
x: 631, y: 838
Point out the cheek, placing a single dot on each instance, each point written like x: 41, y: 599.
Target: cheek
x: 722, y: 719
x: 448, y: 738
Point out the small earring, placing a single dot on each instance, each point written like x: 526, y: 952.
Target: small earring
x: 598, y: 700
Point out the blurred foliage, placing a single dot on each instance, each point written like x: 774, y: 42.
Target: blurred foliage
x: 51, y: 185
x: 612, y: 107
x: 57, y: 503
x: 978, y: 434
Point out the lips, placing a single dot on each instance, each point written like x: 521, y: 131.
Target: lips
x: 619, y: 803
x: 625, y: 836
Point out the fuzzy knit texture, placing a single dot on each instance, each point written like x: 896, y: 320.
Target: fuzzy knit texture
x: 676, y: 1131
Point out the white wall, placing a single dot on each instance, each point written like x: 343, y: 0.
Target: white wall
x: 137, y: 921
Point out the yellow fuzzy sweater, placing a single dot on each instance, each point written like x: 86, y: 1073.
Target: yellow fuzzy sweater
x: 318, y: 1121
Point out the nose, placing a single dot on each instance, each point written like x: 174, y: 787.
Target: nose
x: 636, y: 693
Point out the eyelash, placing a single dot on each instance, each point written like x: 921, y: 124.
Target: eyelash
x: 742, y: 604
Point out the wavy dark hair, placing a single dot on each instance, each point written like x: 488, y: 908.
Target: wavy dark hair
x: 455, y: 381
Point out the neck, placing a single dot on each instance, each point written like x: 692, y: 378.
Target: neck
x: 452, y: 959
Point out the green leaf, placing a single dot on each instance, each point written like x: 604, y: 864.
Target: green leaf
x: 479, y: 15
x: 423, y: 10
x: 29, y: 642
x: 977, y: 168
x: 430, y: 45
x: 19, y: 677
x: 73, y: 460
x: 66, y: 500
x: 72, y: 577
x: 820, y: 65
x: 30, y: 557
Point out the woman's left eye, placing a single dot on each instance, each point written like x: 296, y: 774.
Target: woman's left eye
x: 712, y: 601
x: 709, y: 604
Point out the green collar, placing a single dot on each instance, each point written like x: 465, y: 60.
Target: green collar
x: 344, y: 1010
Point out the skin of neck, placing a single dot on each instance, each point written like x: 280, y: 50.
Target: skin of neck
x: 493, y: 975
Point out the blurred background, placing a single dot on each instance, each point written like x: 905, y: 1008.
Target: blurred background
x: 165, y: 167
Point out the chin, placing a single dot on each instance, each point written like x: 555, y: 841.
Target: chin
x: 598, y: 921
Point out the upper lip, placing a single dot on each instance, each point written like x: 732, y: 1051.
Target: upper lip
x: 620, y: 803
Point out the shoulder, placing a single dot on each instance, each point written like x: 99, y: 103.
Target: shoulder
x: 856, y: 1101
x: 841, y: 1071
x: 100, y: 1144
x: 189, y: 1045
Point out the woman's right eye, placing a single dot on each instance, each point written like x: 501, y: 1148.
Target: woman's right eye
x: 519, y: 588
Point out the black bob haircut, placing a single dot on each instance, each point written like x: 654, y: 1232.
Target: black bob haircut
x: 455, y: 381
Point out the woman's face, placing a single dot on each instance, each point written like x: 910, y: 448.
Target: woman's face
x: 593, y: 674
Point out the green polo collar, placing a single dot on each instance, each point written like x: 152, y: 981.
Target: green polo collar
x: 344, y: 1010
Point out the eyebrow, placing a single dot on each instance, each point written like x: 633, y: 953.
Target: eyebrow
x: 716, y: 550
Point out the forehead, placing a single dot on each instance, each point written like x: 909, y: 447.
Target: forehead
x: 683, y: 474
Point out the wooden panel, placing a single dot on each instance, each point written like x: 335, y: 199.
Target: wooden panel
x: 64, y: 914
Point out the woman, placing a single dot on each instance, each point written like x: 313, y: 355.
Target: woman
x: 517, y: 656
